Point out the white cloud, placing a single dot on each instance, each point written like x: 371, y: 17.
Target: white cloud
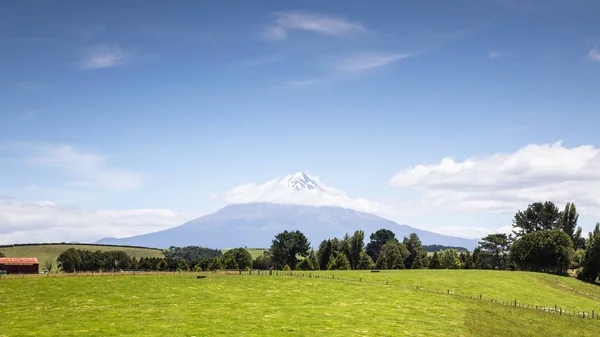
x: 496, y: 54
x: 275, y: 33
x: 506, y: 182
x: 363, y: 62
x: 50, y: 222
x: 105, y: 56
x: 318, y: 23
x: 594, y: 55
x: 87, y: 169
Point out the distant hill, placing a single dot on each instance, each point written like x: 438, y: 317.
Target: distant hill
x: 50, y: 251
x: 255, y: 225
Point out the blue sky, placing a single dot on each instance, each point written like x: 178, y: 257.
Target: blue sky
x: 150, y: 107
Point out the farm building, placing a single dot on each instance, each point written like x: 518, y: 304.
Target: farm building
x: 19, y: 265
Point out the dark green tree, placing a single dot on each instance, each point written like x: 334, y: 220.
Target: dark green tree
x: 568, y: 224
x: 324, y: 254
x: 377, y: 240
x: 70, y: 261
x: 537, y: 217
x: 365, y: 262
x: 418, y: 254
x: 495, y: 245
x: 263, y: 261
x: 357, y: 244
x: 434, y: 263
x: 392, y: 256
x: 339, y: 263
x: 547, y: 251
x: 449, y: 259
x: 287, y: 246
x: 591, y: 260
x: 344, y: 246
x: 241, y: 259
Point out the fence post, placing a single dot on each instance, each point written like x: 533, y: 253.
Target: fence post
x: 515, y: 302
x: 592, y: 313
x: 386, y: 282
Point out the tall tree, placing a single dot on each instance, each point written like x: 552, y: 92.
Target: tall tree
x: 344, y: 246
x: 591, y: 261
x: 357, y: 244
x: 324, y: 254
x: 418, y: 254
x: 339, y: 263
x: 378, y: 239
x: 496, y: 245
x: 287, y: 246
x: 392, y: 256
x: 538, y: 216
x: 435, y: 261
x: 449, y: 259
x: 568, y: 224
x: 365, y: 262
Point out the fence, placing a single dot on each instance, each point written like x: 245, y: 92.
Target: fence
x: 321, y: 276
x: 513, y: 303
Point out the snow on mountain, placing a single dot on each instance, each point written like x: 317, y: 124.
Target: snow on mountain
x: 299, y: 181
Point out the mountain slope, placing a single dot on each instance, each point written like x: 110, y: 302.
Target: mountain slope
x: 255, y: 225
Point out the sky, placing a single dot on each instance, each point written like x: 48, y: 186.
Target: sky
x: 125, y: 117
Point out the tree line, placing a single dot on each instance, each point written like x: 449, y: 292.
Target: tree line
x: 543, y: 239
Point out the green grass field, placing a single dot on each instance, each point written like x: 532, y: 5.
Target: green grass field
x: 50, y: 252
x: 181, y: 305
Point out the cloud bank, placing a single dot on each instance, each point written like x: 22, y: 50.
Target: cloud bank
x: 506, y: 182
x: 28, y: 222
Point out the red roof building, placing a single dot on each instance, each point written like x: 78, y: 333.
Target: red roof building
x: 20, y: 265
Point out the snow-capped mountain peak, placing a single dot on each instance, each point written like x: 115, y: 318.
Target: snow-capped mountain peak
x: 299, y: 181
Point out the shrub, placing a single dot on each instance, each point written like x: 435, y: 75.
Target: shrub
x: 286, y: 268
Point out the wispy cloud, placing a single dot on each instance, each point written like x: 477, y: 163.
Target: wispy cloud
x: 105, y: 56
x: 594, y: 55
x: 362, y: 62
x: 496, y: 54
x: 317, y: 23
x: 308, y: 82
x: 274, y: 33
x: 84, y: 168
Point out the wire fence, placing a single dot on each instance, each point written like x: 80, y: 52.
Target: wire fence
x: 557, y: 310
x: 511, y: 303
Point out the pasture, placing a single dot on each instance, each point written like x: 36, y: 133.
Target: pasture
x: 48, y: 252
x: 181, y: 305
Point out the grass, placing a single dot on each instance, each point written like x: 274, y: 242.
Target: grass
x: 50, y: 252
x: 181, y: 305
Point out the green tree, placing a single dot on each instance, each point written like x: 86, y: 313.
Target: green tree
x: 312, y: 257
x: 324, y: 254
x: 543, y: 251
x: 466, y: 260
x: 263, y: 261
x: 568, y: 224
x: 449, y: 259
x: 339, y: 263
x: 377, y: 240
x: 357, y: 244
x: 237, y: 258
x: 591, y: 261
x: 309, y: 263
x: 496, y: 245
x: 537, y: 217
x: 418, y: 254
x: 70, y: 260
x: 392, y: 256
x: 365, y: 262
x: 434, y: 263
x: 287, y: 246
x: 344, y: 246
